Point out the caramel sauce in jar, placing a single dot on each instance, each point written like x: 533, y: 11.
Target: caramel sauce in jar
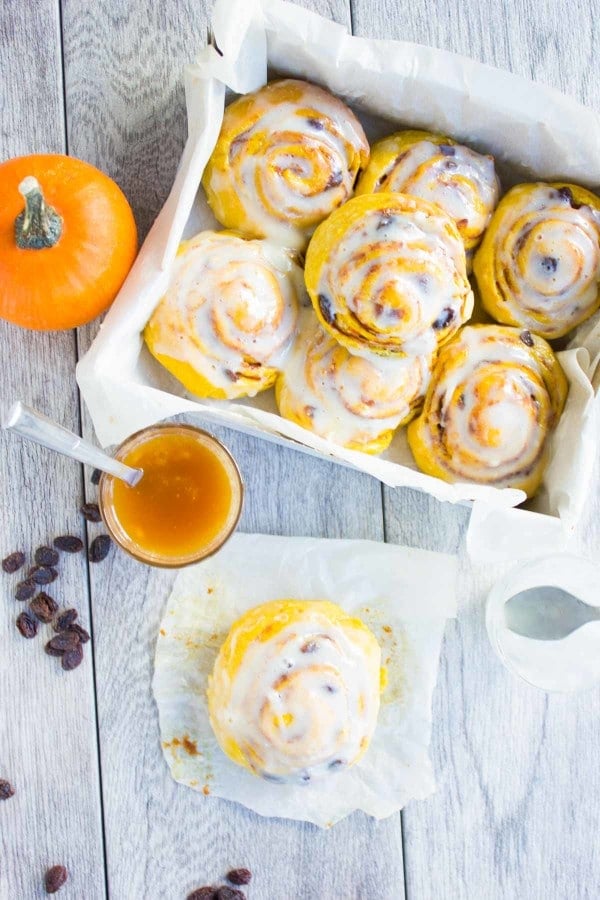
x: 187, y: 503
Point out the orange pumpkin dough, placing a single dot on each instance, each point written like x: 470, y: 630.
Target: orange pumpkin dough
x: 78, y: 241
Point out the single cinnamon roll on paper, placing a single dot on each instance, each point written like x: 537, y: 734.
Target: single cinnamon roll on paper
x: 538, y: 266
x: 355, y: 401
x: 228, y: 317
x: 464, y: 183
x: 386, y: 274
x: 496, y: 394
x: 294, y: 693
x: 287, y: 155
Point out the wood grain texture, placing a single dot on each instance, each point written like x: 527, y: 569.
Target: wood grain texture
x: 518, y: 780
x: 163, y: 840
x: 48, y: 745
x: 547, y: 40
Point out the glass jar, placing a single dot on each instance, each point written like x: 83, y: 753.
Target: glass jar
x: 569, y: 664
x: 187, y: 504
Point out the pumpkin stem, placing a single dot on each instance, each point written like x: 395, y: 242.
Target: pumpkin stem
x: 39, y: 225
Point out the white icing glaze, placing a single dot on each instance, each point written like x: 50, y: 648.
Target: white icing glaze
x: 402, y: 276
x: 547, y: 262
x: 348, y: 399
x: 298, y: 169
x: 491, y: 435
x: 231, y: 305
x: 462, y: 182
x: 303, y: 702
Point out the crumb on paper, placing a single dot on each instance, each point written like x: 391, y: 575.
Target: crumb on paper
x: 206, y: 790
x: 163, y: 632
x: 190, y: 746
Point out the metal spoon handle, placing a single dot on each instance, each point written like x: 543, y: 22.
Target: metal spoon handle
x: 35, y: 427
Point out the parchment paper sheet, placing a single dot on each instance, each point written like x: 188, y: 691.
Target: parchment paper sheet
x: 532, y: 130
x: 410, y: 592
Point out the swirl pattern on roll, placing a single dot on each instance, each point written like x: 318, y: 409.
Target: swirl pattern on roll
x: 538, y: 265
x: 229, y: 315
x: 294, y: 693
x: 287, y: 155
x: 464, y: 183
x: 355, y: 401
x: 495, y: 396
x: 386, y: 274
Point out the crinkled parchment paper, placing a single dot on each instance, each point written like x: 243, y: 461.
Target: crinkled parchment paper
x: 533, y: 131
x: 403, y: 595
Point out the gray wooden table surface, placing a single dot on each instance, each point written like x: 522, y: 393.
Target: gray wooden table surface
x: 516, y: 812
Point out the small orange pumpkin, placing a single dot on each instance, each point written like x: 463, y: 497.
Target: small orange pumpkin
x: 67, y: 241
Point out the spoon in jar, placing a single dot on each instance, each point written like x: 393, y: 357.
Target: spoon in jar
x: 547, y: 613
x: 35, y: 427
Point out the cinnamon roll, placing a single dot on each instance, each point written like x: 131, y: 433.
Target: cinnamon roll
x: 287, y: 155
x: 355, y: 401
x: 464, y: 183
x: 538, y: 266
x: 386, y: 274
x: 294, y: 693
x: 228, y: 316
x: 496, y: 394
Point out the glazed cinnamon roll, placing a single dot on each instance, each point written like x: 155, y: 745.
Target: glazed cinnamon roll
x: 228, y: 317
x: 538, y: 266
x: 294, y: 693
x: 287, y: 155
x: 386, y: 274
x: 464, y: 183
x: 496, y: 394
x: 354, y: 401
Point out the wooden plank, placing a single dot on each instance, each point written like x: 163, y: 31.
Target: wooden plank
x: 551, y: 41
x: 180, y: 840
x: 517, y: 770
x: 48, y: 745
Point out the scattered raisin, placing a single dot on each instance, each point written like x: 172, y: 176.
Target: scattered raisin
x: 6, y: 789
x: 91, y: 512
x: 46, y: 556
x: 99, y: 548
x: 326, y: 308
x: 66, y: 618
x: 72, y: 658
x: 316, y: 124
x: 69, y: 543
x: 227, y: 893
x: 549, y: 264
x: 25, y: 589
x: 239, y: 876
x: 43, y: 574
x: 443, y: 320
x: 13, y: 561
x: 78, y: 629
x: 203, y: 893
x: 96, y: 476
x: 334, y: 180
x: 447, y: 150
x: 526, y: 338
x: 66, y: 640
x: 55, y: 878
x: 27, y: 625
x: 52, y: 651
x: 44, y: 607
